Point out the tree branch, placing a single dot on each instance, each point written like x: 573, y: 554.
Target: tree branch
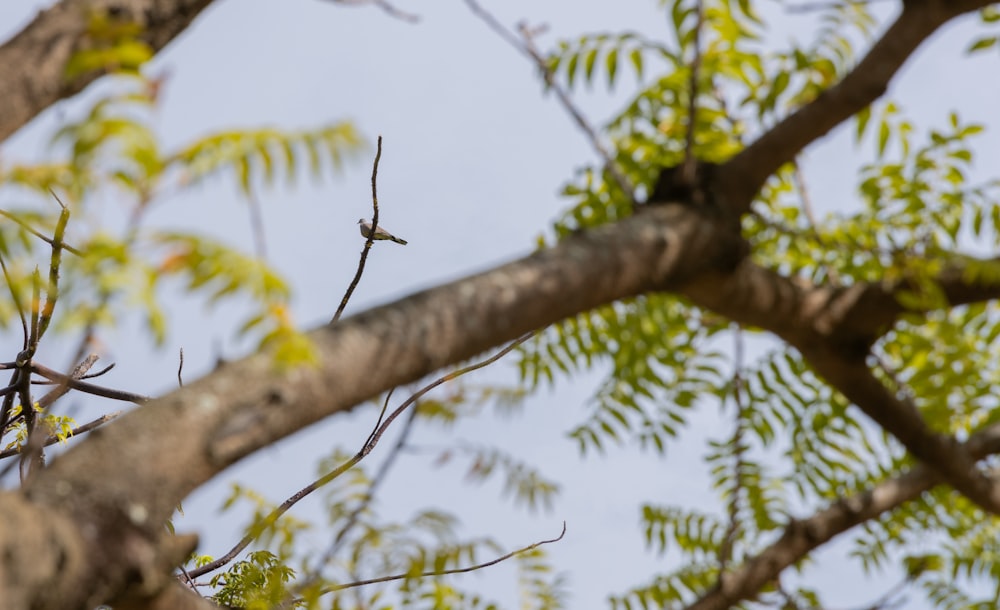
x: 843, y: 317
x: 122, y: 484
x: 833, y: 328
x: 902, y: 419
x: 803, y: 536
x: 32, y: 63
x: 369, y: 241
x: 747, y: 171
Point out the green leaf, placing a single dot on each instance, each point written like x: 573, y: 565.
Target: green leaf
x: 611, y: 62
x: 983, y: 43
x: 571, y: 68
x: 883, y: 137
x: 862, y: 119
x: 635, y: 56
x: 589, y: 60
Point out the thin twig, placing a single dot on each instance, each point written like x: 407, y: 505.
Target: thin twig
x: 368, y: 242
x: 352, y: 519
x: 39, y: 235
x: 32, y: 456
x: 369, y: 445
x: 32, y: 450
x: 526, y: 45
x: 478, y: 566
x: 381, y: 416
x: 17, y: 375
x: 87, y: 376
x: 389, y: 9
x: 180, y: 368
x: 89, y: 388
x: 99, y: 373
x: 82, y: 429
x: 79, y: 372
x: 377, y: 480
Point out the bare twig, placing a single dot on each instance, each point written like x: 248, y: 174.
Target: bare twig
x: 352, y: 518
x: 15, y: 295
x: 16, y: 377
x: 31, y: 451
x: 39, y: 235
x: 369, y: 445
x: 99, y: 373
x: 55, y: 262
x: 89, y: 388
x: 389, y: 9
x: 79, y: 372
x: 368, y: 242
x: 180, y: 368
x: 87, y: 376
x: 32, y: 456
x: 377, y: 480
x: 478, y: 566
x: 526, y: 45
x: 82, y: 429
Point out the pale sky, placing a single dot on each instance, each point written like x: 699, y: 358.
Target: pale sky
x: 470, y: 140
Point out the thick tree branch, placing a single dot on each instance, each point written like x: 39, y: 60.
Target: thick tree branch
x: 803, y: 536
x: 746, y: 172
x: 847, y: 318
x: 32, y: 63
x: 123, y: 482
x: 833, y: 328
x: 902, y: 419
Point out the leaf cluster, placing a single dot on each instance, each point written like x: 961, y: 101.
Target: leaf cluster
x: 797, y: 444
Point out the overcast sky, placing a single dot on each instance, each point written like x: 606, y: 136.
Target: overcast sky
x: 474, y: 156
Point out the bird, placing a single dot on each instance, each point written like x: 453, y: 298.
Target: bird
x: 380, y: 233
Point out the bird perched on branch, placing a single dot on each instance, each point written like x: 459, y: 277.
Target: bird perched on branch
x: 380, y: 233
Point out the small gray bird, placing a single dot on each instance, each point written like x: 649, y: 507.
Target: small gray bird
x: 380, y: 233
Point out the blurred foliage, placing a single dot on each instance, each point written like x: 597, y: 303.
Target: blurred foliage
x: 524, y: 483
x: 365, y: 546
